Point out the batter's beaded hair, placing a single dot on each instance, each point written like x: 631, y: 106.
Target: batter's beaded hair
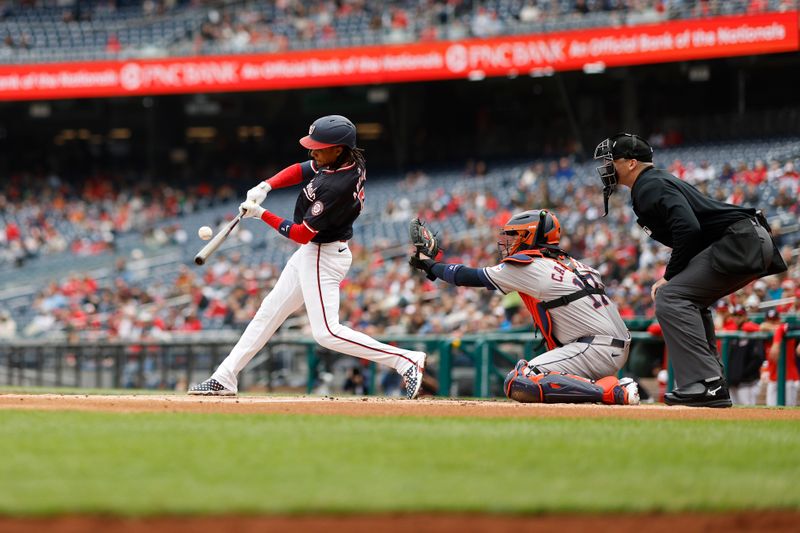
x: 351, y: 154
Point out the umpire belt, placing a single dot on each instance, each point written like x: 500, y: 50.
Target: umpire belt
x: 604, y: 340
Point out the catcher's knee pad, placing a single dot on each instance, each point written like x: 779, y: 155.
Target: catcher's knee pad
x: 550, y: 387
x: 623, y: 391
x: 520, y: 387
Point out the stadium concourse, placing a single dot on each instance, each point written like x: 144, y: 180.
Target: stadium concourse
x: 50, y: 30
x: 122, y: 252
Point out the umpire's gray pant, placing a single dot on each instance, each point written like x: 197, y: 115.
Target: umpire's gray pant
x: 682, y: 310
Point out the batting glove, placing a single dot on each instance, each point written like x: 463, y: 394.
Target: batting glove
x: 258, y: 193
x: 250, y: 209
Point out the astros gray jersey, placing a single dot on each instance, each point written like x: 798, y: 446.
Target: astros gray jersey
x: 544, y: 280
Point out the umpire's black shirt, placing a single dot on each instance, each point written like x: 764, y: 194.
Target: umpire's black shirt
x: 677, y: 215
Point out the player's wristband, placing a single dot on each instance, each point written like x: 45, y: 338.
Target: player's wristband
x: 285, y: 227
x: 457, y: 274
x: 449, y: 274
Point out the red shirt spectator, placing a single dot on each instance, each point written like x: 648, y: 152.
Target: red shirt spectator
x: 773, y: 352
x: 677, y: 169
x: 112, y: 45
x: 12, y: 232
x: 192, y: 323
x: 217, y: 308
x: 399, y: 19
x: 789, y: 171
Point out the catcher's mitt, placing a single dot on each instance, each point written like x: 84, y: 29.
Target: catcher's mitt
x: 425, y: 242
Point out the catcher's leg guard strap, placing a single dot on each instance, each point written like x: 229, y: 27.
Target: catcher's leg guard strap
x: 518, y: 386
x: 552, y: 387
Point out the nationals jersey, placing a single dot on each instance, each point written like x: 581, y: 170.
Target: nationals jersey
x: 545, y: 279
x: 330, y: 200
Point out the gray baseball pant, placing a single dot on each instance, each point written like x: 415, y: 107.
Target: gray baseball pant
x: 682, y: 310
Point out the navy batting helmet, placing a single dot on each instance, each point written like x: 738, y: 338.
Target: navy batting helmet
x: 333, y: 130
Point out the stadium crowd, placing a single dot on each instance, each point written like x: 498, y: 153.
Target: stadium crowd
x: 45, y: 214
x: 322, y: 22
x: 381, y: 294
x: 210, y: 27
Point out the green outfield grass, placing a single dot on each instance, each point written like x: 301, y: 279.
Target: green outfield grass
x: 145, y: 463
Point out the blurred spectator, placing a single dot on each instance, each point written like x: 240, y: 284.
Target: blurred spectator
x: 355, y: 383
x: 8, y: 327
x: 727, y: 173
x: 486, y: 23
x: 774, y: 324
x: 565, y: 170
x: 745, y: 357
x: 723, y: 320
x: 530, y: 12
x: 113, y: 46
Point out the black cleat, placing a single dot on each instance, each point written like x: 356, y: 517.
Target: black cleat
x: 712, y: 393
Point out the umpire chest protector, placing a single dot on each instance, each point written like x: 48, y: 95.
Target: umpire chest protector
x: 540, y: 310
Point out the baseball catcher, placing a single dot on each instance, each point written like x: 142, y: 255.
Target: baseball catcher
x: 587, y: 341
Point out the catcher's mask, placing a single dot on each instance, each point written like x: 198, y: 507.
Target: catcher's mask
x: 619, y: 146
x: 529, y: 230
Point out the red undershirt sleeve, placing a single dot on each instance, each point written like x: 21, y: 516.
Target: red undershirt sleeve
x: 291, y: 175
x: 299, y: 233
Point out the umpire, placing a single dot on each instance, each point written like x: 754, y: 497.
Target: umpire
x: 717, y: 248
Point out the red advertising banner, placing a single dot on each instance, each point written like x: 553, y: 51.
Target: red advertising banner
x: 501, y: 56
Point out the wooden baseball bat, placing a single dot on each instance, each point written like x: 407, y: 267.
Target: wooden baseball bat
x: 218, y: 239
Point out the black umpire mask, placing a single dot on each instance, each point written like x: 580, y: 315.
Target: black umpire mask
x: 608, y: 174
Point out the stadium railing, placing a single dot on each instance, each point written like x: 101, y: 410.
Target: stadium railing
x: 172, y: 364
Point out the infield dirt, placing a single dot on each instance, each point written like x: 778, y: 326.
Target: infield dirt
x: 372, y: 406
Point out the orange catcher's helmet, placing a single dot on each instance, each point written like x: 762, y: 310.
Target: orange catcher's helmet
x: 529, y: 230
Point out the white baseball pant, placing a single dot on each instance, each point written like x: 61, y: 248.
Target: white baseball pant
x: 312, y: 276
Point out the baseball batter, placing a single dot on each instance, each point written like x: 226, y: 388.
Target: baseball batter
x: 330, y: 201
x: 587, y: 340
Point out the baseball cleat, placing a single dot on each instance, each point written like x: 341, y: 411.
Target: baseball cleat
x: 413, y: 379
x: 631, y: 391
x: 210, y: 387
x: 711, y: 393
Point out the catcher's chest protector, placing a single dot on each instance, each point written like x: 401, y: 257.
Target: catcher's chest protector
x: 542, y: 319
x: 540, y: 310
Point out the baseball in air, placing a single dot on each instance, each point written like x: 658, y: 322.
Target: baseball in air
x: 205, y: 233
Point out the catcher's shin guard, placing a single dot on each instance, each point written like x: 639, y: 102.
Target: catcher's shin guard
x: 524, y: 386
